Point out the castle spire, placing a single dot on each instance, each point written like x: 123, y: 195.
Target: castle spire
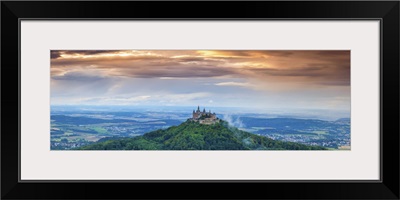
x: 204, y: 110
x: 198, y: 108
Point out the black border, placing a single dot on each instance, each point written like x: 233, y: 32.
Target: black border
x: 386, y: 11
x: 195, y: 180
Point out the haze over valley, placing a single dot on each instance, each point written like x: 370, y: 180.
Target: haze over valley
x: 76, y: 126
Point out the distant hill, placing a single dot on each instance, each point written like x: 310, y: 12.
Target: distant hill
x: 284, y: 123
x: 343, y: 120
x: 78, y: 120
x: 192, y: 135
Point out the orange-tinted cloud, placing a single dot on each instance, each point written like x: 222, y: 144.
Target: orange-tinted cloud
x: 299, y: 67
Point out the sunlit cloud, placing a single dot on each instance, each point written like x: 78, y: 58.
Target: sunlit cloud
x: 309, y: 78
x: 235, y: 84
x: 319, y: 67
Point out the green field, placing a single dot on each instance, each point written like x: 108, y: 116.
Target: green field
x: 98, y: 129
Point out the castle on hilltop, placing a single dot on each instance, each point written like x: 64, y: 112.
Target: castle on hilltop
x: 204, y: 117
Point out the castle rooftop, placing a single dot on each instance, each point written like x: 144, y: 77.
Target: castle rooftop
x: 204, y: 117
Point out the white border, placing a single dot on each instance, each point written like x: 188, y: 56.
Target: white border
x: 39, y: 163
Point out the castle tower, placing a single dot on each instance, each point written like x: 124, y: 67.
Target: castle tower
x: 204, y: 117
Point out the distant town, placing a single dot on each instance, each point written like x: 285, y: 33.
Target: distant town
x: 75, y: 128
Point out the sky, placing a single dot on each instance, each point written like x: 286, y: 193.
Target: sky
x: 250, y: 79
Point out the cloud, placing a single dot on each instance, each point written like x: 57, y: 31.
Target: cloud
x: 115, y: 100
x: 174, y: 71
x: 245, y: 53
x: 233, y: 121
x: 151, y: 99
x: 183, y: 97
x: 188, y: 76
x: 80, y: 76
x: 240, y: 84
x: 313, y: 67
x: 57, y: 53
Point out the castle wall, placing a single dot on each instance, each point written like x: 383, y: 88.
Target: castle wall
x: 209, y: 118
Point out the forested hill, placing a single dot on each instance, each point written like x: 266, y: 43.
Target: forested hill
x: 195, y: 136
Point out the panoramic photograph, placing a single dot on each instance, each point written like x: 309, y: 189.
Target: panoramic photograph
x: 265, y: 100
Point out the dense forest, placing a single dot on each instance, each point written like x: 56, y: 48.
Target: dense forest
x: 192, y: 135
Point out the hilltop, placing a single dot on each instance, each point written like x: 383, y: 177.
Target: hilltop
x: 193, y: 135
x: 204, y: 117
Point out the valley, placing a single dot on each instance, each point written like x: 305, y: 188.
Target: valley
x: 73, y: 128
